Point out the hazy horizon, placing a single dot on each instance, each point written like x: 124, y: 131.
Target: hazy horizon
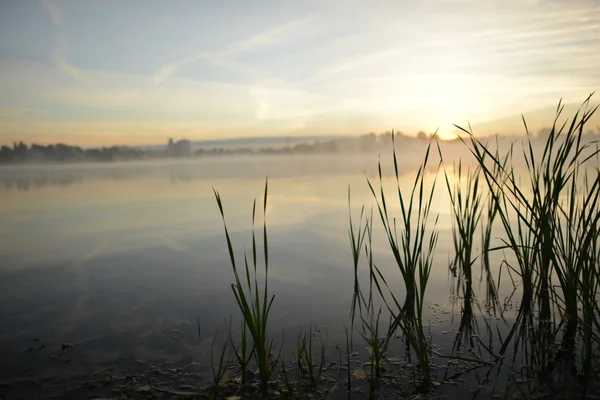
x: 95, y: 73
x: 537, y: 120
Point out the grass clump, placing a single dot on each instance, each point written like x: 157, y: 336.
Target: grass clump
x: 467, y: 208
x: 243, y: 353
x: 377, y: 346
x: 548, y: 230
x: 550, y: 226
x: 253, y: 301
x: 413, y: 253
x: 309, y: 367
x: 220, y: 367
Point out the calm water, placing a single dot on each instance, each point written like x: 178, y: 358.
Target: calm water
x: 119, y: 262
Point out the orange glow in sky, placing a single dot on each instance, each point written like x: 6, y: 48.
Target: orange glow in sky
x: 113, y: 72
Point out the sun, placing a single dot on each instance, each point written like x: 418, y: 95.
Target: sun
x: 444, y: 134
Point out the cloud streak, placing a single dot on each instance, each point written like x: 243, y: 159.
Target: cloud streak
x: 55, y: 13
x: 341, y: 69
x: 58, y: 54
x: 164, y: 72
x: 270, y: 37
x: 15, y: 112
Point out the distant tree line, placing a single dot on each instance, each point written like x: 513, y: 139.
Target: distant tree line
x: 20, y: 152
x: 371, y: 142
x: 366, y: 143
x: 59, y: 152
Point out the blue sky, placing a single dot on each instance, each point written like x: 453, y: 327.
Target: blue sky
x: 95, y: 72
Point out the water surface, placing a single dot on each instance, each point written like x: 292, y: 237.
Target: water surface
x: 111, y: 267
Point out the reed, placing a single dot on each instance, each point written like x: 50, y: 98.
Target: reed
x: 310, y: 367
x: 492, y: 209
x: 220, y: 368
x: 413, y: 253
x: 253, y: 301
x: 467, y: 208
x: 377, y: 348
x: 551, y: 228
x: 243, y: 353
x: 348, y: 335
x: 356, y: 235
x: 547, y: 220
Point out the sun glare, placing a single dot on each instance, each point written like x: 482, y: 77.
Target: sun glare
x: 447, y: 135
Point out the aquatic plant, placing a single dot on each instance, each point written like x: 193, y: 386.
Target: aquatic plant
x: 254, y: 305
x: 309, y: 367
x: 243, y: 353
x: 348, y: 335
x: 357, y: 237
x: 288, y: 384
x: 551, y: 227
x: 377, y: 348
x: 220, y: 368
x: 467, y: 207
x: 413, y: 254
x: 548, y: 232
x: 487, y: 221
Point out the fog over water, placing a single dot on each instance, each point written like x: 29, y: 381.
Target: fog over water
x: 122, y: 260
x: 136, y: 136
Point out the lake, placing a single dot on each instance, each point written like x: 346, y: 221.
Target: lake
x: 123, y: 269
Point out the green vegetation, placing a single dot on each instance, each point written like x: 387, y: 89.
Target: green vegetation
x: 467, y: 210
x: 546, y: 232
x: 413, y: 254
x: 243, y: 352
x: 309, y: 368
x: 254, y: 305
x: 219, y: 368
x: 551, y: 228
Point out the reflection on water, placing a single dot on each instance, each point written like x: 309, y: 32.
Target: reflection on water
x: 110, y: 267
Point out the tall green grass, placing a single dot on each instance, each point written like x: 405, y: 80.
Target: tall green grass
x: 356, y: 235
x: 219, y: 368
x: 546, y: 228
x: 487, y: 229
x: 578, y: 265
x: 377, y: 346
x: 243, y: 353
x: 253, y: 301
x: 310, y: 367
x: 467, y: 208
x: 413, y: 249
x: 551, y: 228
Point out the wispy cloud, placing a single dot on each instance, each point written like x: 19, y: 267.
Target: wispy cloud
x: 346, y: 69
x: 60, y: 44
x: 15, y: 112
x: 164, y: 72
x: 69, y: 68
x: 277, y: 102
x: 270, y: 37
x: 367, y: 59
x: 55, y: 13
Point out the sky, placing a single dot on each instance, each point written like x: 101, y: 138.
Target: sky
x: 103, y: 72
